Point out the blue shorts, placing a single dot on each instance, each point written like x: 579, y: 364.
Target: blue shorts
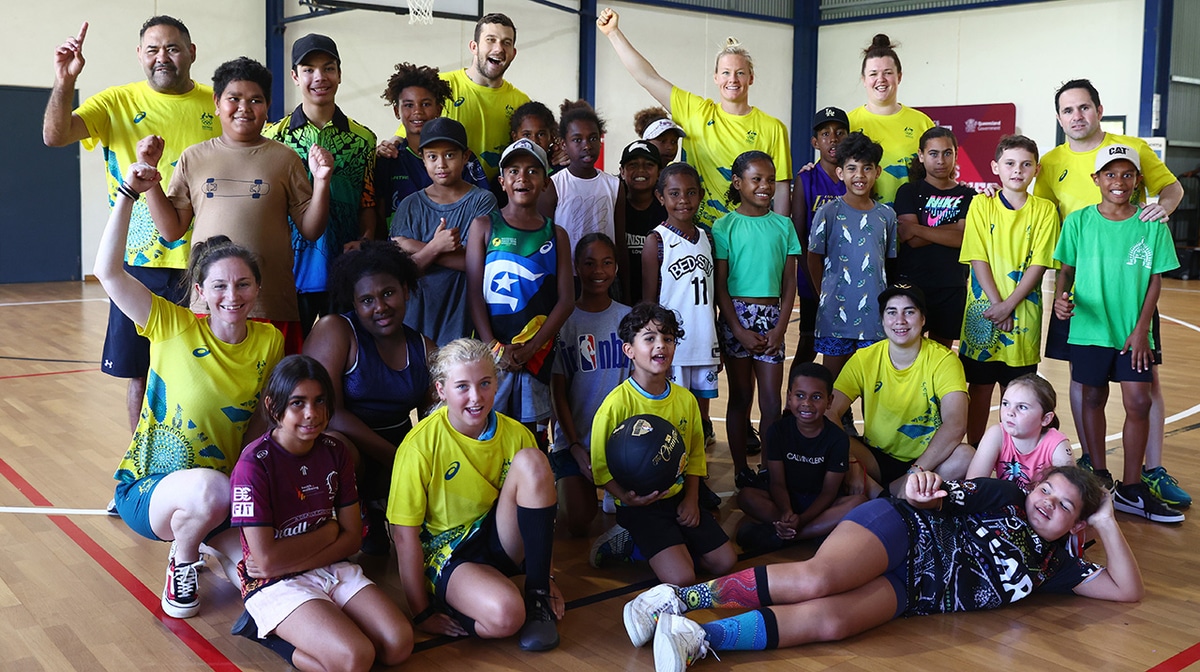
x: 522, y: 397
x: 127, y: 354
x: 654, y: 528
x: 1096, y: 366
x: 881, y: 518
x: 133, y: 504
x: 840, y: 347
x: 564, y: 465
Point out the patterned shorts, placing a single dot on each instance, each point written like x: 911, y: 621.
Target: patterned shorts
x: 756, y: 317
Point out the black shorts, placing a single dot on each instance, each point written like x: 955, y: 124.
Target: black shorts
x: 482, y: 548
x: 990, y: 373
x: 654, y: 528
x: 1058, y: 331
x: 890, y: 468
x: 1096, y: 366
x: 944, y: 311
x: 126, y: 354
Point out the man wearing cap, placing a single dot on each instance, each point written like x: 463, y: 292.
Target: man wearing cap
x: 640, y: 165
x: 914, y: 398
x: 432, y: 223
x: 317, y: 71
x: 1066, y: 179
x: 482, y: 101
x: 815, y: 187
x: 168, y: 104
x: 1115, y: 262
x: 665, y: 135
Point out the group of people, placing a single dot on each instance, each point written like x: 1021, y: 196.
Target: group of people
x: 297, y: 290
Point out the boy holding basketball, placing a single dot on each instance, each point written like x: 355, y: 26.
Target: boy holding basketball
x: 667, y: 527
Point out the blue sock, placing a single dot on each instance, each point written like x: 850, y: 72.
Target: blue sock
x: 637, y: 554
x: 744, y: 632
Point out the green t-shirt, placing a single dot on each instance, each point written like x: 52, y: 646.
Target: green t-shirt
x: 757, y: 249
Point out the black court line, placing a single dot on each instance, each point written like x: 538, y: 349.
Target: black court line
x: 1181, y: 430
x: 43, y: 359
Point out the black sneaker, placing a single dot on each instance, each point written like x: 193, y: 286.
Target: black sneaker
x: 375, y: 541
x: 1136, y: 498
x: 759, y: 538
x: 540, y: 632
x: 753, y: 442
x: 747, y: 478
x: 181, y: 595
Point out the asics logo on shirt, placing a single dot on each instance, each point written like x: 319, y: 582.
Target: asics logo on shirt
x: 878, y: 385
x: 459, y: 101
x: 1063, y: 176
x: 137, y: 118
x: 453, y: 470
x: 201, y: 352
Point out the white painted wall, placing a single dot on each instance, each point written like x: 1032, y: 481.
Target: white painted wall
x: 1016, y: 54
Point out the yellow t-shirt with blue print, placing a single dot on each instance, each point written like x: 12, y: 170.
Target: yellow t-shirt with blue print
x: 117, y: 118
x: 900, y: 136
x: 715, y: 138
x: 678, y: 407
x: 446, y: 482
x: 200, y: 393
x: 902, y: 409
x: 1066, y: 175
x: 484, y: 112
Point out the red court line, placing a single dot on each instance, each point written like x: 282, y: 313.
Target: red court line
x: 1179, y: 661
x: 188, y: 635
x: 49, y: 373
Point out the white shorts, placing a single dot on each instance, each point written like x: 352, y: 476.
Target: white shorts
x: 335, y: 583
x: 699, y: 380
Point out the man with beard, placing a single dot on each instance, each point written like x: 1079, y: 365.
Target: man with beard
x: 482, y: 101
x: 167, y: 104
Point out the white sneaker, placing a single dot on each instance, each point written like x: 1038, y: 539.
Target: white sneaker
x: 111, y: 509
x: 678, y: 643
x: 609, y: 505
x: 642, y: 612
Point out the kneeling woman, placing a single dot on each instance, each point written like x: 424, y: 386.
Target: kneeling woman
x: 202, y: 391
x: 947, y: 546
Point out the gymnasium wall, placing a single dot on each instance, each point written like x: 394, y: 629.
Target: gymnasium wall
x: 1013, y: 54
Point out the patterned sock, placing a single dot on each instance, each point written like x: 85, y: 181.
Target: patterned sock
x: 752, y: 631
x: 747, y: 588
x: 537, y: 533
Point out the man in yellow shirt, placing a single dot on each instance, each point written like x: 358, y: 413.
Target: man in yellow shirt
x: 169, y: 104
x: 482, y: 101
x: 1066, y: 180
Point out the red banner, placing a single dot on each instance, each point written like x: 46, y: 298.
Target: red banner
x: 978, y: 129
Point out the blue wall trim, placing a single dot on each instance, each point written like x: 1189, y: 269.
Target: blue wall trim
x: 805, y: 29
x: 276, y: 61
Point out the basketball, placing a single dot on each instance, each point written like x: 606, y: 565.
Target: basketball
x: 645, y: 454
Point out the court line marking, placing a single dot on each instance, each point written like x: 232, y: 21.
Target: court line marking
x: 1179, y: 661
x: 45, y: 303
x: 150, y: 600
x: 53, y: 511
x: 47, y: 373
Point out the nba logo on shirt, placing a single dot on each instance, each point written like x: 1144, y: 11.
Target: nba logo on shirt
x: 587, y: 353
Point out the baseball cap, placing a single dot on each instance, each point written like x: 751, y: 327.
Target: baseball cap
x: 1109, y: 153
x: 443, y: 129
x: 522, y: 146
x: 640, y: 149
x: 662, y: 126
x: 913, y: 292
x: 313, y: 42
x: 828, y: 114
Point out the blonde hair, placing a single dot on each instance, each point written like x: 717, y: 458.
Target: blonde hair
x: 458, y: 351
x: 733, y: 48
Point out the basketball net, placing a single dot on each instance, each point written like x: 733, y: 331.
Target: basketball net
x: 420, y: 11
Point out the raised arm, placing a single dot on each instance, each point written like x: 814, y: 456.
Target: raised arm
x: 60, y: 127
x: 316, y: 218
x: 130, y: 295
x: 1122, y: 579
x: 172, y: 222
x: 637, y: 65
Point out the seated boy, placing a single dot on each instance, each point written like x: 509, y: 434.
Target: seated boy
x: 1115, y: 262
x: 245, y: 186
x: 431, y: 225
x: 668, y: 527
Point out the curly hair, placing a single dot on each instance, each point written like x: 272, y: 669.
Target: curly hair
x: 578, y: 110
x: 646, y: 116
x: 424, y: 76
x: 375, y: 257
x: 242, y: 69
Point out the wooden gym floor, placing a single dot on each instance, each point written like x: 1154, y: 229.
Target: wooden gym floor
x: 79, y: 590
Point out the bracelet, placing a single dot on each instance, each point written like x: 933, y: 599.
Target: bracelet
x: 916, y: 468
x: 423, y: 616
x: 128, y: 192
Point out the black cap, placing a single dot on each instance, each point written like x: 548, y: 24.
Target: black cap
x: 443, y: 129
x: 828, y: 114
x: 913, y: 292
x: 640, y: 149
x: 313, y: 42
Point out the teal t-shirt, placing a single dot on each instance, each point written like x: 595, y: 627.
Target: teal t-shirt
x: 757, y: 249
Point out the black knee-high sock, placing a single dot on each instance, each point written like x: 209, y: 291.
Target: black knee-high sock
x: 537, y: 534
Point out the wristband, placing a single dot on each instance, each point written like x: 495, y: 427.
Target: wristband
x: 423, y: 616
x: 128, y: 192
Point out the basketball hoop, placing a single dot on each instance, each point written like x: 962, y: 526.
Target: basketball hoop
x: 420, y: 11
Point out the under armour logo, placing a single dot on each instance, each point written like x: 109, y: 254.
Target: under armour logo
x: 108, y: 364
